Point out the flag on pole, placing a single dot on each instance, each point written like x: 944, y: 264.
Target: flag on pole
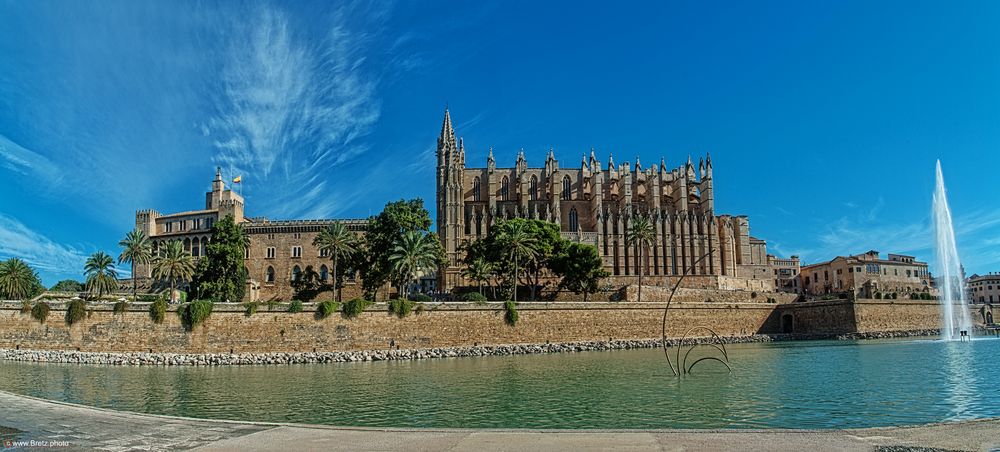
x: 237, y: 179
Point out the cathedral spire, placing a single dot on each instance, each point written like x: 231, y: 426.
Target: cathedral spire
x: 447, y: 132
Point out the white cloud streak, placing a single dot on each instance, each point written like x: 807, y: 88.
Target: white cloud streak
x: 26, y: 162
x: 18, y: 240
x: 292, y: 112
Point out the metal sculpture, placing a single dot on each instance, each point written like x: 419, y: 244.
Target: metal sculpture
x: 717, y: 342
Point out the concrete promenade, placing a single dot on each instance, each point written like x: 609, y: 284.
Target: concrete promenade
x: 75, y: 427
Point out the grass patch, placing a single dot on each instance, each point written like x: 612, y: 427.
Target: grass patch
x: 251, y: 308
x: 271, y: 304
x: 158, y: 311
x: 295, y: 306
x: 25, y: 307
x: 510, y: 315
x: 324, y: 309
x: 194, y: 313
x: 40, y: 311
x: 401, y: 308
x: 421, y: 297
x: 419, y: 309
x: 120, y: 307
x: 475, y: 297
x: 76, y: 311
x: 352, y: 308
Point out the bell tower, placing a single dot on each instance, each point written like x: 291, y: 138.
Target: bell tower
x: 450, y: 202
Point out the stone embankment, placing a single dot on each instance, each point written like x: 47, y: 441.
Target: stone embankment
x: 228, y: 359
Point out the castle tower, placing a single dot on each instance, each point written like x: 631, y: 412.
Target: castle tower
x: 450, y: 201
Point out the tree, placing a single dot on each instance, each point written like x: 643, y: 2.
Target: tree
x: 580, y: 267
x: 136, y: 250
x: 479, y: 270
x: 544, y: 237
x: 641, y: 234
x: 520, y: 245
x: 381, y: 236
x: 68, y: 285
x: 173, y: 265
x: 414, y: 254
x: 339, y: 242
x: 101, y: 275
x: 18, y: 281
x: 221, y: 275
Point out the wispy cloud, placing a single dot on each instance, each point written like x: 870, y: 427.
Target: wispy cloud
x: 293, y: 111
x: 26, y: 162
x: 43, y: 254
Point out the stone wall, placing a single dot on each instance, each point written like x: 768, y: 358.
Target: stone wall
x: 228, y: 329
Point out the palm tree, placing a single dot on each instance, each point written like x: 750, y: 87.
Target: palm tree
x: 479, y: 270
x: 173, y: 264
x: 339, y: 242
x: 101, y: 275
x: 136, y: 250
x: 16, y: 279
x: 413, y: 254
x: 642, y: 234
x: 520, y: 245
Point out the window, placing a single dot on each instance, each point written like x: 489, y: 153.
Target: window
x: 850, y: 269
x: 348, y: 273
x: 566, y: 188
x: 197, y: 223
x: 208, y: 223
x: 324, y: 273
x: 168, y: 227
x: 183, y: 225
x: 504, y: 188
x: 246, y: 253
x: 574, y: 220
x: 296, y: 273
x: 269, y: 275
x: 475, y: 189
x: 297, y: 235
x: 533, y: 194
x: 324, y: 252
x: 296, y: 251
x: 270, y: 236
x: 195, y: 249
x: 270, y: 252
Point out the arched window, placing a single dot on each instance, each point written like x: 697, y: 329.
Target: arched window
x: 566, y: 188
x: 195, y: 248
x: 187, y: 245
x: 534, y: 188
x: 503, y: 188
x: 475, y: 189
x: 324, y: 273
x: 269, y: 276
x: 574, y: 220
x: 296, y: 273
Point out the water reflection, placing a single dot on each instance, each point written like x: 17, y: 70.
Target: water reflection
x: 791, y: 385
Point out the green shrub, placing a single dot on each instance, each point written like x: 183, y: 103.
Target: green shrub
x: 352, y: 308
x: 324, y: 309
x: 401, y: 308
x: 76, y: 310
x: 271, y: 304
x: 295, y: 306
x: 194, y: 313
x: 878, y: 295
x: 120, y: 307
x: 895, y: 295
x: 753, y: 294
x: 158, y: 311
x: 25, y: 307
x: 422, y: 297
x: 925, y: 296
x: 182, y: 296
x: 474, y: 297
x: 419, y: 309
x: 40, y: 311
x: 510, y: 312
x: 251, y: 308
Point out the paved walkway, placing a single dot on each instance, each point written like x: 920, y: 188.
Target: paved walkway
x: 82, y: 427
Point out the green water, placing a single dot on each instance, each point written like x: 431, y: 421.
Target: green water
x: 822, y: 384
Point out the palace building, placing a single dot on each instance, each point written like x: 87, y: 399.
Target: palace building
x: 281, y: 253
x: 597, y: 204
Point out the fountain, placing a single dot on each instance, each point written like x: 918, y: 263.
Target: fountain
x: 954, y: 325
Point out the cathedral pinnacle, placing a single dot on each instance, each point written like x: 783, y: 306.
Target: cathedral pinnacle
x: 447, y: 132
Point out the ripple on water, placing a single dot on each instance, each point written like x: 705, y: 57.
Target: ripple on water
x: 822, y: 384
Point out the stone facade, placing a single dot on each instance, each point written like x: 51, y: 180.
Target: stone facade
x: 596, y: 205
x: 984, y: 288
x: 281, y: 253
x: 864, y: 275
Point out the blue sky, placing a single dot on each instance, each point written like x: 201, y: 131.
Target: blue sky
x: 824, y: 119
